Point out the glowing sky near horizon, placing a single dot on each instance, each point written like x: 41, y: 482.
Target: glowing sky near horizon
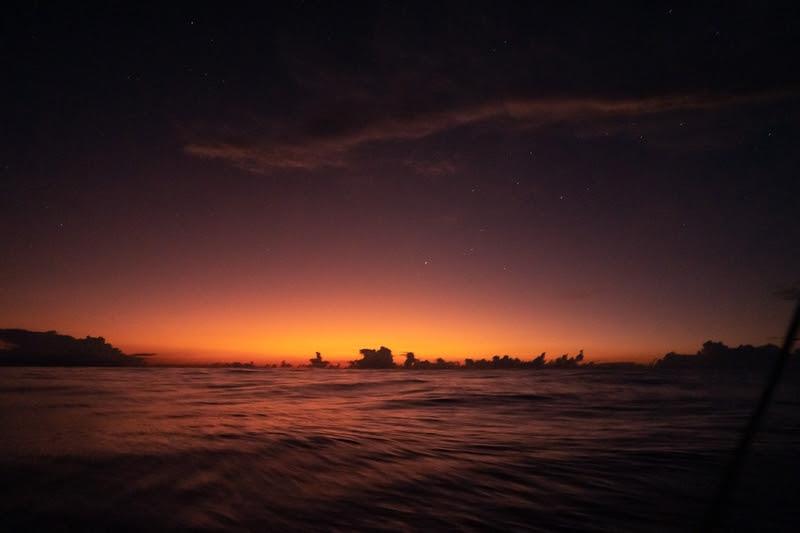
x: 491, y: 181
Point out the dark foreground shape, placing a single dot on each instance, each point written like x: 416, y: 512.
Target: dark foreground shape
x: 731, y: 476
x: 19, y: 347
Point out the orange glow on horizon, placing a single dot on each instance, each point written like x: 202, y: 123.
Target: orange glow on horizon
x: 431, y: 328
x: 289, y: 310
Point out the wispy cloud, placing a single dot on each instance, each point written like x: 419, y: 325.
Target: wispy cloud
x: 441, y: 167
x: 334, y: 147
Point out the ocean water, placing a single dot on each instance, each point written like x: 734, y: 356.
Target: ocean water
x: 336, y: 450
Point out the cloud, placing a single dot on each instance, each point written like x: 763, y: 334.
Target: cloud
x: 788, y: 293
x: 21, y: 347
x: 433, y: 168
x: 332, y: 143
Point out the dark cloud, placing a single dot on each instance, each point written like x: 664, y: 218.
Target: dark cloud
x: 19, y: 347
x: 788, y: 293
x: 441, y: 167
x: 329, y: 144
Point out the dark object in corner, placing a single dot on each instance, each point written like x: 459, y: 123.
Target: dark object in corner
x: 731, y: 475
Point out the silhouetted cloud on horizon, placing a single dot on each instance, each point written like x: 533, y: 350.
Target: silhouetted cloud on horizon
x: 718, y: 356
x: 49, y: 348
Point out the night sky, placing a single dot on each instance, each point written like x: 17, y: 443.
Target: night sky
x: 454, y: 179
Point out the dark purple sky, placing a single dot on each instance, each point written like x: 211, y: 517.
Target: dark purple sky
x: 458, y: 180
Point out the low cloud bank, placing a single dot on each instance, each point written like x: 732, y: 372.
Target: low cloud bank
x: 19, y: 347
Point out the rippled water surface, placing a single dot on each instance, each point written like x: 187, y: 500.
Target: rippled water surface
x: 229, y: 449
